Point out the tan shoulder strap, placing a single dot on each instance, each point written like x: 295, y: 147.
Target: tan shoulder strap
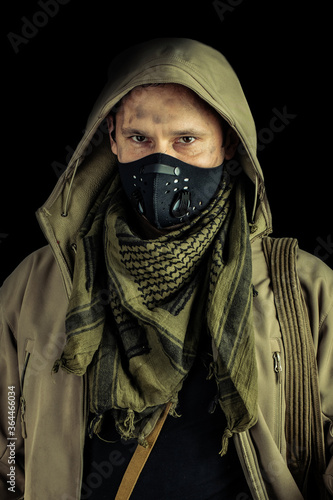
x: 304, y: 432
x: 139, y: 459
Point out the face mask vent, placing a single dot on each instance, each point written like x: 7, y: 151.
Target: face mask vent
x: 180, y: 206
x: 166, y: 190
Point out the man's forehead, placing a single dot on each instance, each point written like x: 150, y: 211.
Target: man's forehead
x: 171, y: 88
x: 144, y: 96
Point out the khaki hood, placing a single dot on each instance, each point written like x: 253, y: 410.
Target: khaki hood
x: 170, y: 60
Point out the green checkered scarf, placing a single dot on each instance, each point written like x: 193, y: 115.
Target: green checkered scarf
x: 139, y: 306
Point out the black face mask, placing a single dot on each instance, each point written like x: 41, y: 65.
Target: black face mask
x: 168, y: 191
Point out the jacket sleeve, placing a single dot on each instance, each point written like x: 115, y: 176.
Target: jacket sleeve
x: 11, y: 441
x: 317, y: 283
x: 325, y: 367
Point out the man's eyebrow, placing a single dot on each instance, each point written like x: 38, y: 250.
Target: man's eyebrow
x: 178, y: 133
x: 189, y: 132
x: 132, y: 131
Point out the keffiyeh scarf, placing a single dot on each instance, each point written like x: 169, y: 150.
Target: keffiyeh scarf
x: 139, y: 306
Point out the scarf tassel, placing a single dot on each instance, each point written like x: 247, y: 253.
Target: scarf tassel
x: 225, y: 441
x: 95, y: 425
x: 212, y: 370
x: 128, y: 427
x: 57, y: 364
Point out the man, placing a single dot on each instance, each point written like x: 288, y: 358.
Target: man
x: 160, y: 305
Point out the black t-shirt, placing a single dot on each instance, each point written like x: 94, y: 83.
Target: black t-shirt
x: 184, y: 464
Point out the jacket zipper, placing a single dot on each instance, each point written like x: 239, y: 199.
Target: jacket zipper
x: 278, y: 372
x: 84, y: 427
x: 277, y: 365
x: 22, y: 399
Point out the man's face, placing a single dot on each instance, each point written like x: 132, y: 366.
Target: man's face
x: 169, y: 119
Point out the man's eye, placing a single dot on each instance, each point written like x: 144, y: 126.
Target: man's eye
x: 187, y: 139
x: 138, y: 138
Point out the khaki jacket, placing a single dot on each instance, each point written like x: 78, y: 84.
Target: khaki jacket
x: 43, y: 415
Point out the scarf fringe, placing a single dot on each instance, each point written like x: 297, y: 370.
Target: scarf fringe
x: 212, y: 370
x: 174, y: 414
x: 143, y: 442
x: 57, y: 364
x: 62, y: 363
x: 225, y: 441
x: 134, y: 271
x: 127, y: 427
x: 95, y: 425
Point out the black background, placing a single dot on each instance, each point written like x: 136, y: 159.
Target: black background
x: 50, y: 84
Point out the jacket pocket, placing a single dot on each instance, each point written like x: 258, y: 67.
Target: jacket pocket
x: 28, y: 351
x: 278, y: 367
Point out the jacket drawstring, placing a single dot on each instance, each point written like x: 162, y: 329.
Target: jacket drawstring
x: 252, y: 224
